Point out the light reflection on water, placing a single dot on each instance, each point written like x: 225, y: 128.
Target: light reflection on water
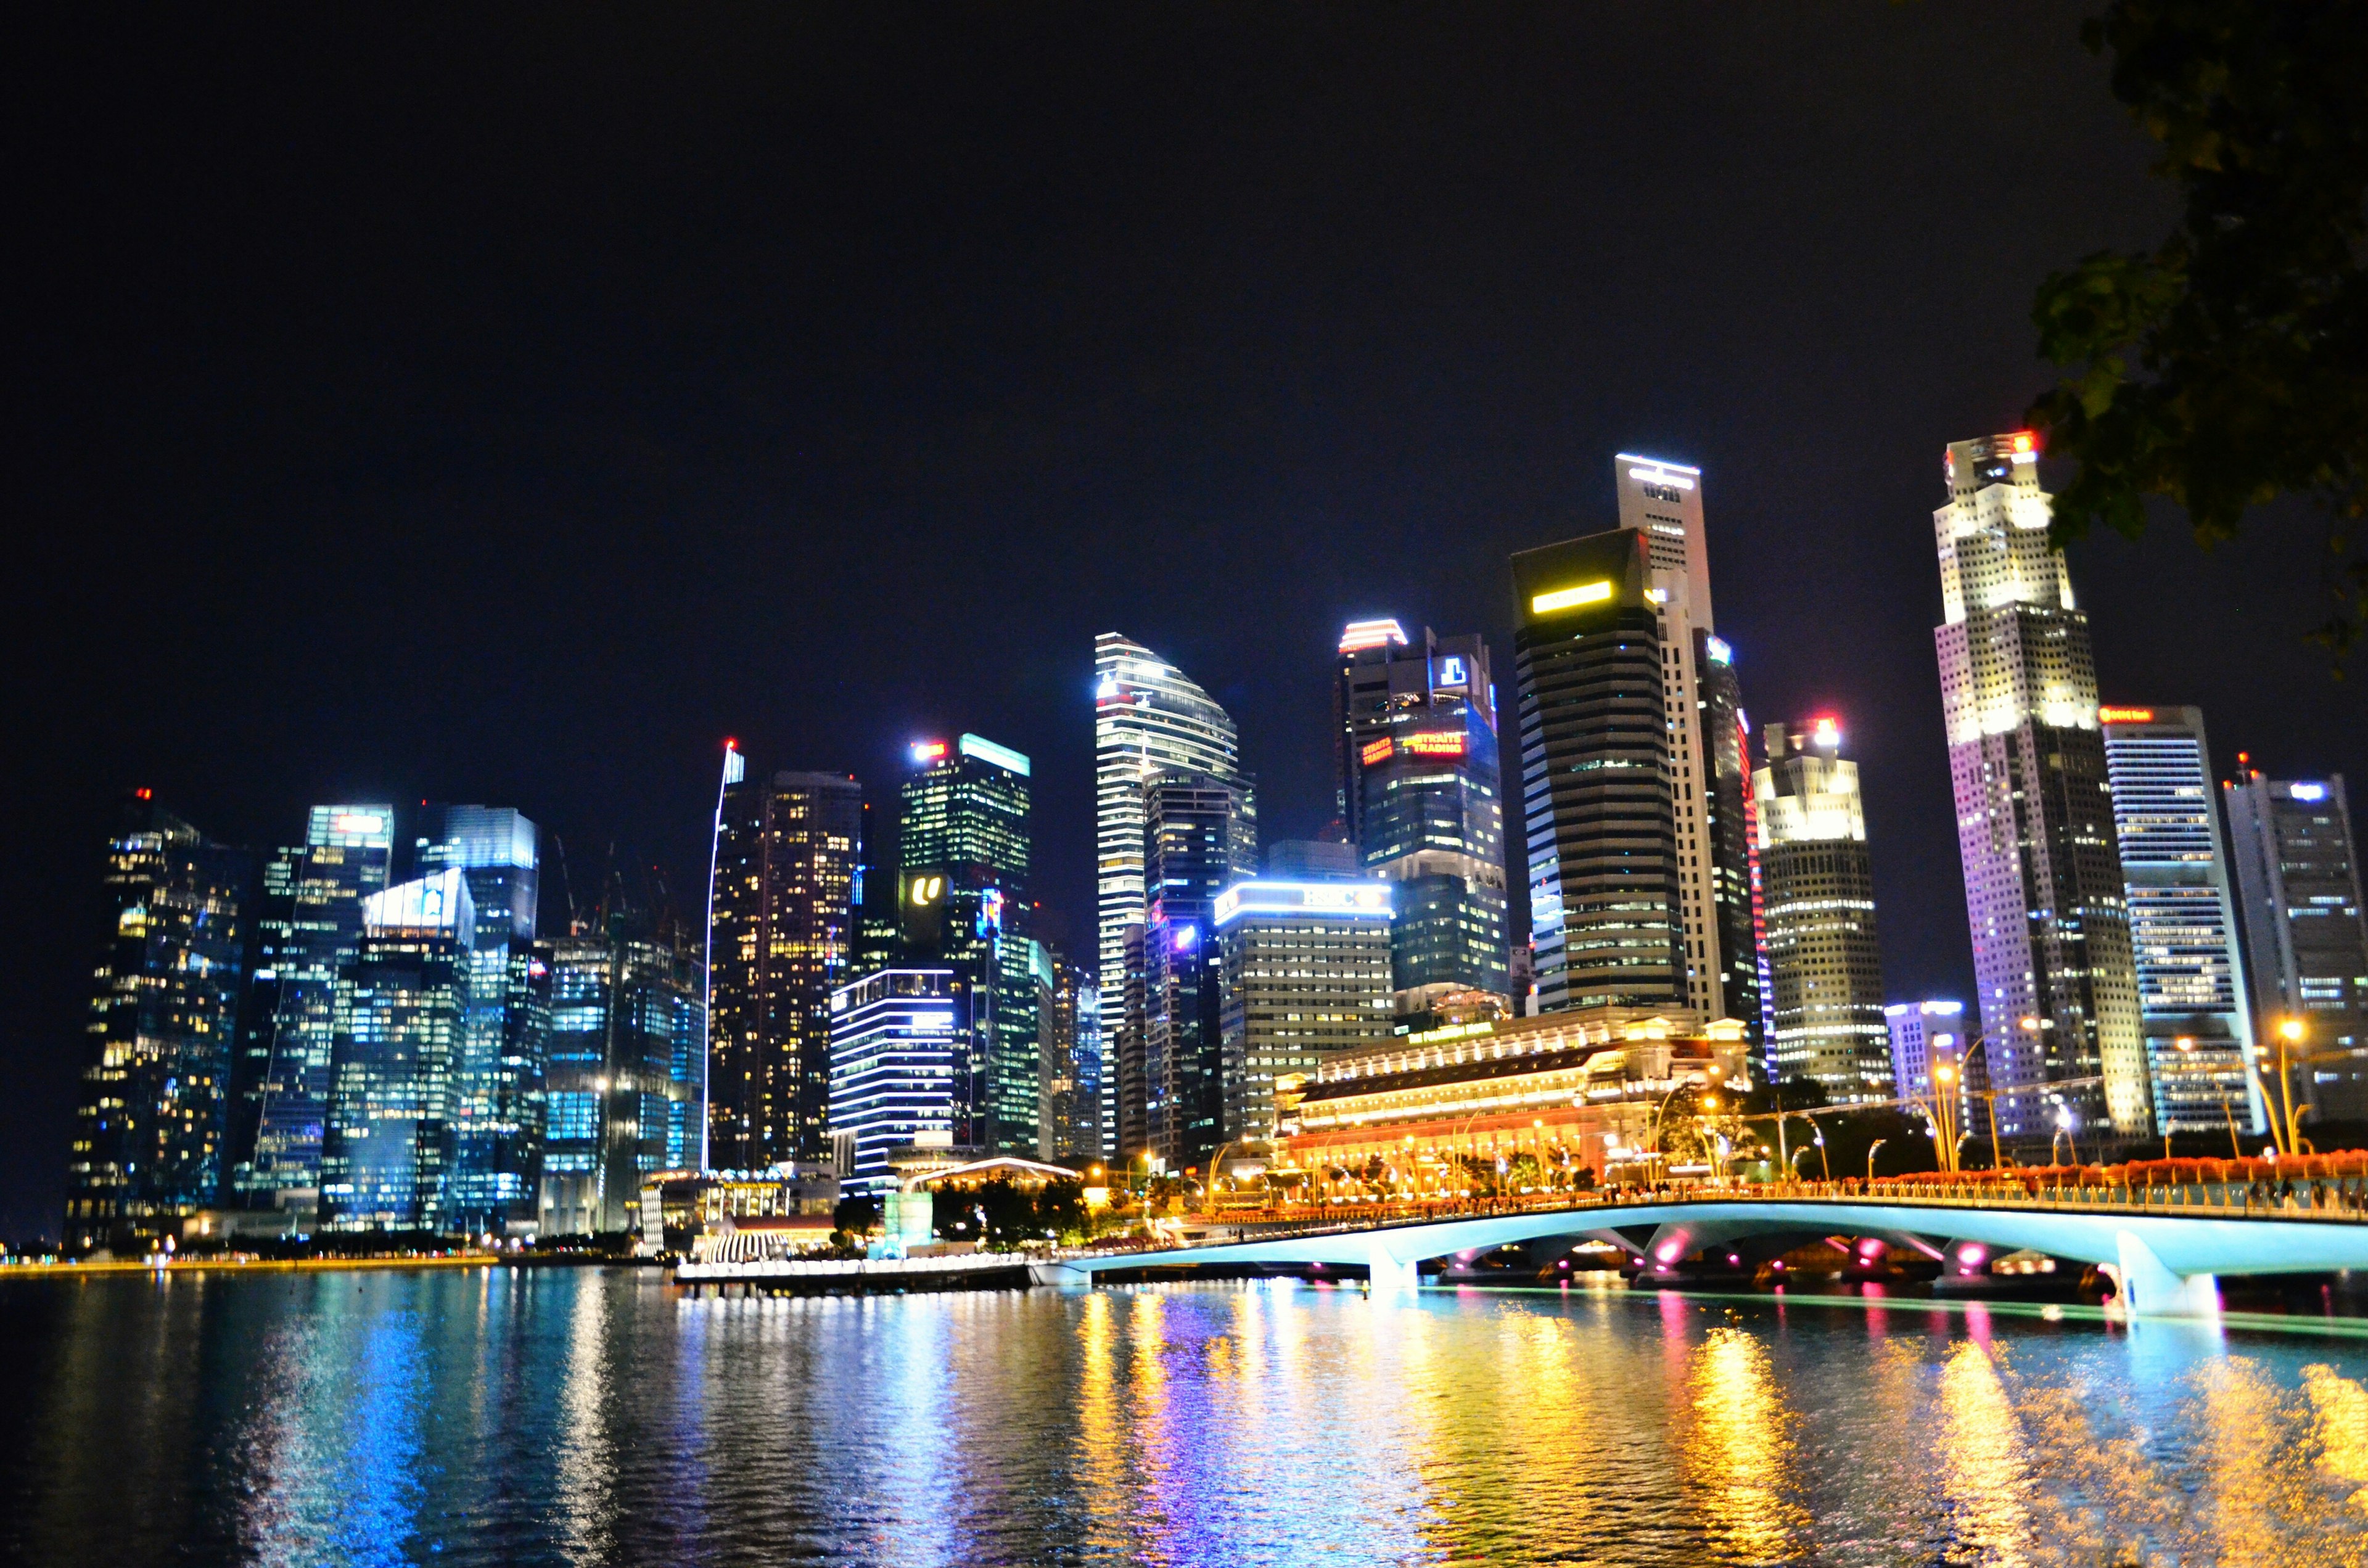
x: 591, y: 1418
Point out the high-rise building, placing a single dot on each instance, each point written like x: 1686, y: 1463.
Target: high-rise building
x: 1068, y: 1056
x: 1598, y: 776
x: 627, y: 1032
x: 1825, y: 964
x: 1306, y: 975
x: 2298, y: 878
x: 1149, y: 720
x: 402, y: 1004
x: 1360, y: 699
x: 2192, y: 1001
x: 310, y: 927
x: 1932, y: 1034
x: 901, y: 1042
x: 2044, y: 897
x: 965, y: 819
x: 1638, y: 842
x: 1199, y: 836
x: 156, y: 1064
x: 497, y: 1088
x: 782, y: 933
x: 1420, y: 751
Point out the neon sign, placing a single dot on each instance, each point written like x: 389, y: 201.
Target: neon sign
x: 1570, y: 598
x: 1451, y: 671
x: 1375, y: 752
x: 2125, y: 715
x: 1435, y: 745
x: 927, y: 752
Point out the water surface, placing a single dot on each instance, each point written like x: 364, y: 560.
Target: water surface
x: 583, y: 1416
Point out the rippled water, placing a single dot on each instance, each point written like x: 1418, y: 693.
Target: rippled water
x: 580, y: 1416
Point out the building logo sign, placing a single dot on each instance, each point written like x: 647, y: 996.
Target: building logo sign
x: 2125, y: 715
x: 1571, y: 599
x: 1453, y: 671
x: 1362, y: 900
x: 1436, y: 744
x: 1376, y: 751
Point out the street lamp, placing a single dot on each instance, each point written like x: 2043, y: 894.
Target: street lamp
x: 1870, y: 1148
x: 2290, y: 1036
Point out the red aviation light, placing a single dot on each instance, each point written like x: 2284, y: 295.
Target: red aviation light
x: 1826, y: 730
x: 2024, y: 441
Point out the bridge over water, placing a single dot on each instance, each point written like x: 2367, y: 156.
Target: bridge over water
x: 2165, y: 1255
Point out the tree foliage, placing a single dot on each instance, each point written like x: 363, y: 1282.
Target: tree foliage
x: 2229, y: 364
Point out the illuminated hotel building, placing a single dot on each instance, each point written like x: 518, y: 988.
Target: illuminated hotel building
x: 310, y: 927
x: 1419, y: 767
x: 403, y: 1012
x: 901, y: 1073
x: 1824, y: 962
x: 2044, y: 895
x: 628, y: 1029
x: 496, y: 1131
x: 1149, y: 720
x: 780, y: 936
x: 149, y: 1120
x: 965, y: 815
x: 1199, y: 838
x: 1577, y: 1089
x: 1635, y: 783
x: 2192, y: 1001
x: 1306, y: 977
x: 2298, y: 878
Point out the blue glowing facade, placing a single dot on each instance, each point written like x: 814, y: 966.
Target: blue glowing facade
x: 902, y: 1070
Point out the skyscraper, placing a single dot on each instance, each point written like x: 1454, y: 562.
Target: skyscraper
x: 1626, y: 864
x: 1824, y: 962
x: 156, y: 1063
x: 1148, y: 721
x: 1068, y: 1057
x: 900, y: 1070
x: 402, y: 1004
x: 1306, y: 975
x: 310, y: 928
x: 2044, y: 890
x: 2298, y: 878
x: 2192, y: 1001
x: 1928, y: 1035
x: 1199, y: 836
x: 782, y: 931
x: 965, y: 818
x: 1361, y: 697
x: 1598, y: 776
x: 628, y: 1029
x: 1420, y: 752
x: 497, y: 1088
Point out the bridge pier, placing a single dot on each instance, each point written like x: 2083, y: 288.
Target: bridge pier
x: 2150, y: 1289
x: 1385, y: 1274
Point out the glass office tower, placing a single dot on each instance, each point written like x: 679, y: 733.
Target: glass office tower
x: 965, y: 819
x: 901, y: 1069
x: 2044, y: 895
x: 1199, y: 836
x: 1149, y: 720
x: 402, y: 1004
x: 1824, y: 963
x: 310, y: 927
x: 2298, y: 877
x: 150, y: 1116
x: 497, y: 1087
x: 1307, y: 972
x: 1419, y: 744
x: 2192, y: 1001
x: 781, y: 934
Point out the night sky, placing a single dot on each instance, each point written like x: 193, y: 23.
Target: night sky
x: 505, y: 405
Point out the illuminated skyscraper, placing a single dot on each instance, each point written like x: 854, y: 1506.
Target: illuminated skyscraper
x: 900, y: 1068
x: 310, y: 927
x: 1360, y: 699
x: 2191, y: 1002
x: 2045, y: 897
x: 1307, y: 974
x: 1149, y: 720
x: 1419, y: 749
x: 402, y: 1004
x: 497, y: 1109
x: 1068, y: 1056
x: 149, y: 1121
x: 2298, y: 877
x: 782, y: 933
x: 1931, y: 1034
x: 965, y: 819
x: 1199, y: 838
x: 1824, y: 961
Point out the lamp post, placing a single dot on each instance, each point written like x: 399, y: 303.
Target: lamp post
x: 2290, y: 1033
x: 1870, y: 1148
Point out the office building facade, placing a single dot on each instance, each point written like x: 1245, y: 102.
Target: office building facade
x: 965, y: 820
x: 1199, y: 838
x: 2044, y: 894
x: 1068, y: 1057
x: 627, y: 1032
x: 402, y: 1004
x: 1420, y: 754
x: 150, y: 1116
x: 1150, y: 721
x: 2183, y: 935
x: 310, y: 927
x: 1931, y: 1034
x: 2298, y: 883
x: 781, y: 934
x: 497, y: 1087
x: 1306, y: 974
x: 1824, y: 963
x: 902, y: 1075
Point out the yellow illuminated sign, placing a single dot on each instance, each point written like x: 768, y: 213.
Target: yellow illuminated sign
x: 1567, y: 599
